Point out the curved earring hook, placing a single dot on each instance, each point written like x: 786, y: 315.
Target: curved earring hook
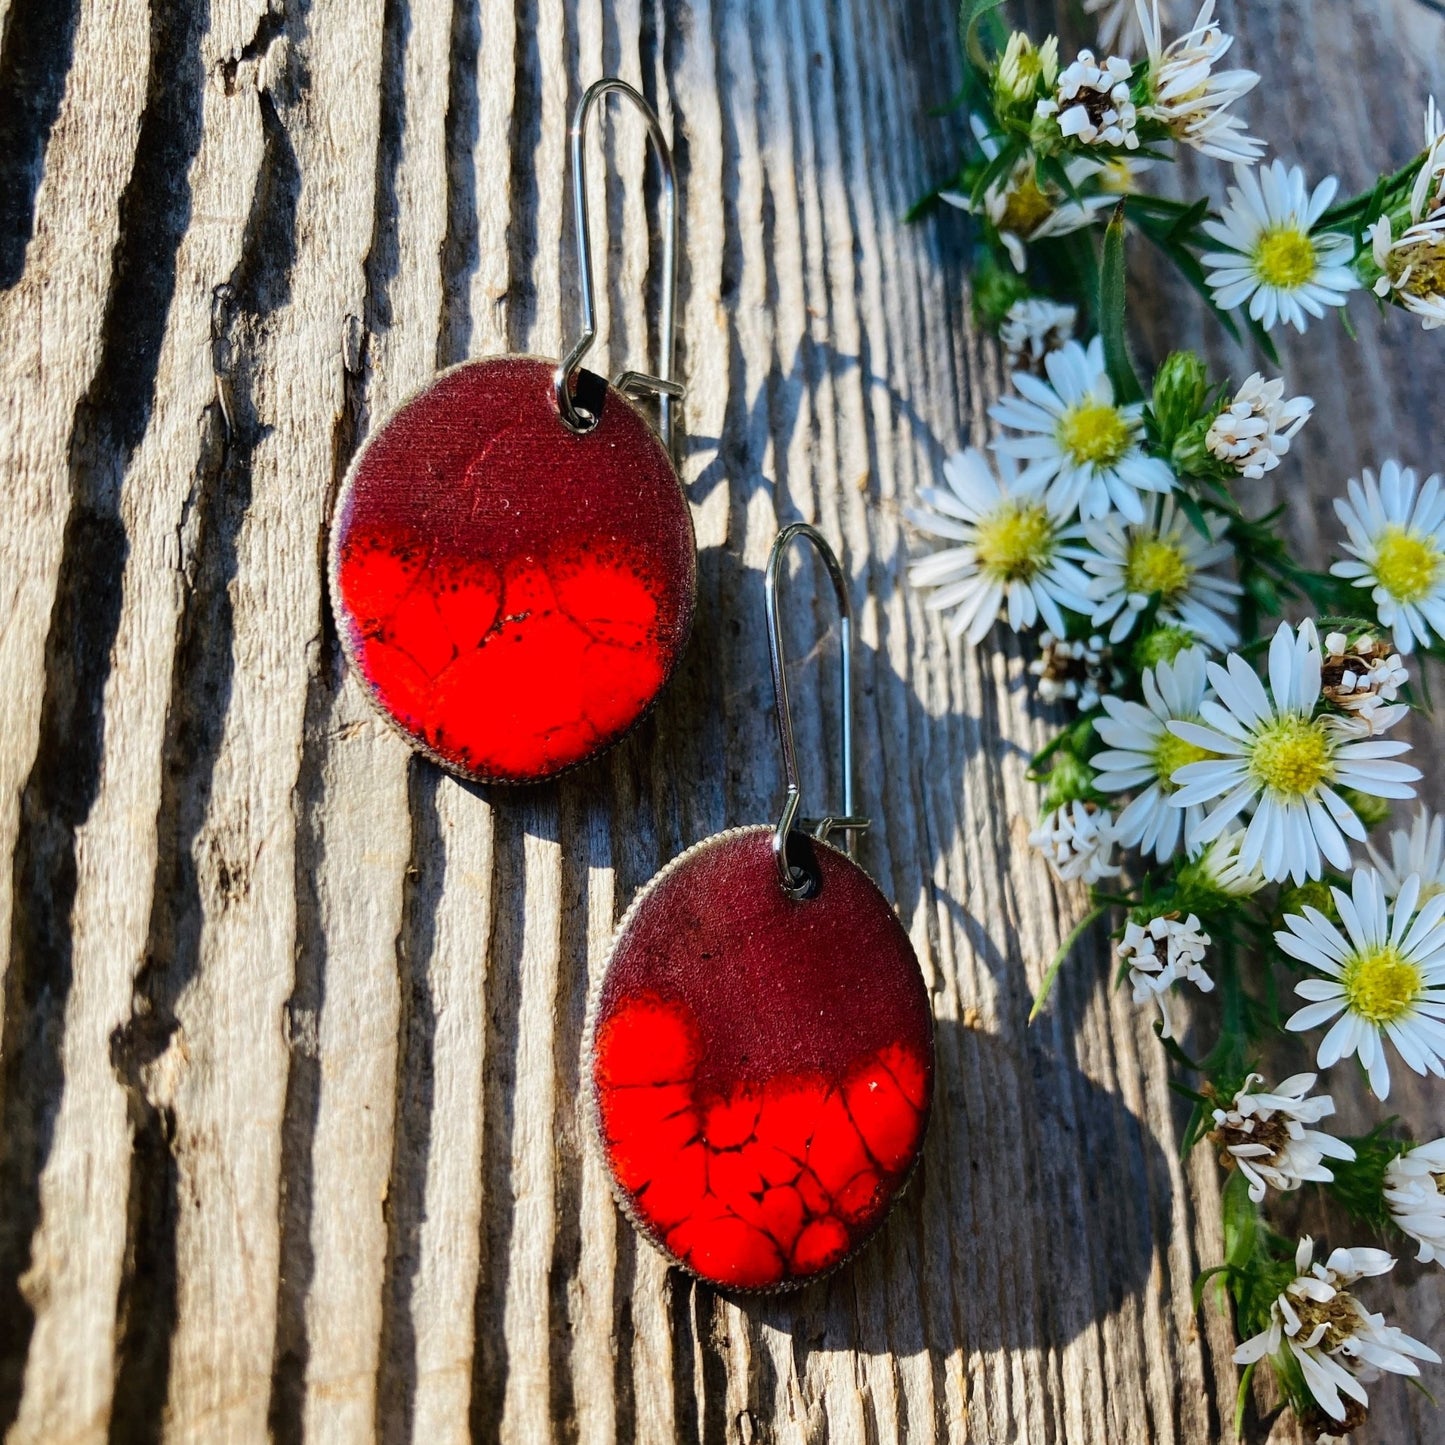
x: 632, y: 383
x: 795, y: 882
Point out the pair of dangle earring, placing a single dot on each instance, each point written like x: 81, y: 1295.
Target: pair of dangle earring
x: 759, y: 1055
x: 513, y: 567
x: 513, y: 572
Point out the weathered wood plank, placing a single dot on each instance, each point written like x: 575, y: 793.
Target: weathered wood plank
x: 78, y: 1275
x: 304, y: 1153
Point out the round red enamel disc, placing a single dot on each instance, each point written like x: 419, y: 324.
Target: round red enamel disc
x: 761, y: 1067
x: 513, y: 594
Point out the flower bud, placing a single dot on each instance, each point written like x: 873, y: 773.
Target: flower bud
x: 1070, y: 780
x: 995, y: 290
x: 1313, y: 894
x: 1024, y: 72
x: 1163, y: 644
x: 1180, y: 389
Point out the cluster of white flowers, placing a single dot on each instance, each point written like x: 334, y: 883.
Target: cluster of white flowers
x: 1119, y: 521
x: 1034, y: 327
x: 1339, y: 1346
x: 1071, y: 671
x: 1415, y: 1192
x: 1093, y: 102
x: 1078, y: 840
x: 1153, y: 973
x: 1254, y: 431
x: 1266, y: 1134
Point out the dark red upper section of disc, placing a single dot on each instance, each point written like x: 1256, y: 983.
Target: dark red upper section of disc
x: 762, y: 1066
x: 514, y: 595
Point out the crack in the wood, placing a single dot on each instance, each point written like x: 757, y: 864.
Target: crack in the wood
x: 461, y: 244
x: 35, y: 56
x: 296, y: 1254
x: 64, y: 782
x: 270, y: 28
x: 405, y: 1206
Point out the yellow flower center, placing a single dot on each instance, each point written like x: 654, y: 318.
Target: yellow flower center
x: 1406, y: 564
x: 1380, y: 985
x: 1016, y: 542
x: 1418, y: 269
x: 1171, y: 754
x: 1095, y: 432
x: 1157, y: 564
x: 1284, y: 256
x: 1292, y: 756
x: 1026, y: 207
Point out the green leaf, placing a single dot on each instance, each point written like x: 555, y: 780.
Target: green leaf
x: 1241, y: 1221
x: 1001, y: 165
x: 1203, y: 1279
x: 1194, y: 512
x: 1079, y: 930
x: 971, y: 14
x: 1241, y: 1400
x: 1113, y: 288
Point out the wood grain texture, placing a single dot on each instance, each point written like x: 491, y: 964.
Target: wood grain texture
x: 290, y: 1060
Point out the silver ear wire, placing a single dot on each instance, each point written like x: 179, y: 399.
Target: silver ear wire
x: 631, y: 383
x: 795, y: 882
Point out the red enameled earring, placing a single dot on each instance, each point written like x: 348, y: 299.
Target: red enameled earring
x: 759, y: 1054
x: 513, y: 568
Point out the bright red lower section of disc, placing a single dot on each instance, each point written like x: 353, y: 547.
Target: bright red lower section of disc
x: 514, y: 595
x: 762, y: 1067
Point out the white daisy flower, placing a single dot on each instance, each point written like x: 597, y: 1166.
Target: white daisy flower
x: 1415, y: 1192
x: 1254, y: 431
x: 1337, y: 1343
x: 1070, y: 671
x: 1188, y: 96
x: 1218, y: 870
x: 1266, y: 1133
x: 1412, y: 263
x: 1272, y: 256
x: 1169, y: 559
x: 1120, y: 31
x: 1277, y: 756
x: 1364, y: 678
x: 1023, y: 212
x: 1154, y: 974
x: 1384, y: 973
x: 1078, y: 840
x: 1077, y: 440
x: 1093, y: 102
x: 1412, y: 267
x: 1418, y: 851
x: 1141, y: 752
x: 1396, y: 535
x: 1036, y: 326
x: 1427, y: 196
x: 1016, y: 549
